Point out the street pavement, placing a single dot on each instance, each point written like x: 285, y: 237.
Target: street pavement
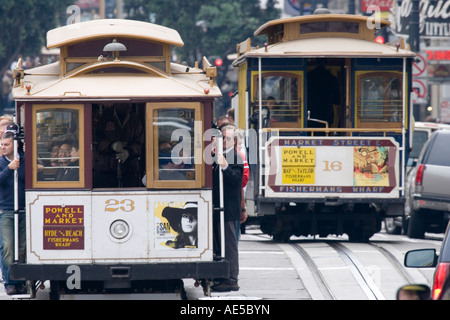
x: 267, y: 271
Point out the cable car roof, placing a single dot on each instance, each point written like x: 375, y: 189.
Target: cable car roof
x: 329, y: 47
x: 82, y: 74
x: 102, y: 28
x: 266, y: 28
x: 46, y: 84
x: 322, y: 34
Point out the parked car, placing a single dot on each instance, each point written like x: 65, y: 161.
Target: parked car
x: 428, y: 191
x: 422, y: 132
x: 428, y: 258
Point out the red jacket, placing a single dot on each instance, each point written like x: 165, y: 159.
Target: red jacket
x: 246, y: 169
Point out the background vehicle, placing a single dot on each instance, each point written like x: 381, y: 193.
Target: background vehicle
x: 117, y: 239
x: 427, y: 258
x: 428, y: 194
x: 327, y: 112
x: 422, y: 132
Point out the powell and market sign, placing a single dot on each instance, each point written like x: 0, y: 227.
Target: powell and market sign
x: 434, y: 18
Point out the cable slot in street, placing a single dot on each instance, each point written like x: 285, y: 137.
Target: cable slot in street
x: 318, y: 277
x: 359, y: 271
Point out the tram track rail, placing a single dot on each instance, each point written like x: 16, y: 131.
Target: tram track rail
x: 358, y: 270
x: 330, y: 269
x: 317, y: 275
x: 397, y: 265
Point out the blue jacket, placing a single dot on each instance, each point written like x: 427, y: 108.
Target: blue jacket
x: 7, y: 184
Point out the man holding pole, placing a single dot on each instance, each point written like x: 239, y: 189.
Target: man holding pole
x: 229, y: 165
x: 9, y: 190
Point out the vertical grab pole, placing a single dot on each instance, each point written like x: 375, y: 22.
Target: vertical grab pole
x: 16, y: 199
x: 219, y: 150
x: 404, y: 128
x: 260, y: 132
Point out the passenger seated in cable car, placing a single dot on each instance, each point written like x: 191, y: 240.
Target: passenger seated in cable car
x: 68, y: 163
x: 274, y: 109
x: 168, y: 170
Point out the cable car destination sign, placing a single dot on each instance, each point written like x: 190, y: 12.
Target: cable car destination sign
x: 63, y: 227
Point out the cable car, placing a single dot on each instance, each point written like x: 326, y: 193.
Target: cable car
x: 327, y: 111
x: 118, y: 197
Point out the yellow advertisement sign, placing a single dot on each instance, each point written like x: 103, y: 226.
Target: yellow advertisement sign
x: 298, y: 165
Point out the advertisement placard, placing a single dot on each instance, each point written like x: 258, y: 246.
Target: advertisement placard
x: 317, y: 167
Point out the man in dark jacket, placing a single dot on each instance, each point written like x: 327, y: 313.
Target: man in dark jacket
x: 231, y: 165
x: 7, y: 166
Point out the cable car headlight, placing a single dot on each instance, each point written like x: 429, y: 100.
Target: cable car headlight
x: 119, y: 229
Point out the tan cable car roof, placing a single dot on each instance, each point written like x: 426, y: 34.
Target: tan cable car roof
x: 46, y: 84
x: 94, y: 29
x: 114, y: 79
x: 289, y: 41
x: 264, y: 29
x: 330, y: 47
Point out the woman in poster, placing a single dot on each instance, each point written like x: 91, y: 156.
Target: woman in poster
x: 183, y: 221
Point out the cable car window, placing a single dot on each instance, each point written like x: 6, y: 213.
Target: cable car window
x: 115, y: 70
x: 329, y: 26
x: 58, y: 148
x: 73, y: 66
x: 176, y: 144
x: 280, y: 94
x: 380, y: 97
x: 160, y: 65
x: 119, y: 136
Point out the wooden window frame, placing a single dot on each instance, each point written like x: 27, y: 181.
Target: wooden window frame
x: 152, y: 145
x: 81, y: 144
x: 86, y: 61
x: 359, y: 75
x: 300, y: 78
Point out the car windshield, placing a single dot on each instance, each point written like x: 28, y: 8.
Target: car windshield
x: 439, y: 153
x: 419, y: 139
x: 445, y: 248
